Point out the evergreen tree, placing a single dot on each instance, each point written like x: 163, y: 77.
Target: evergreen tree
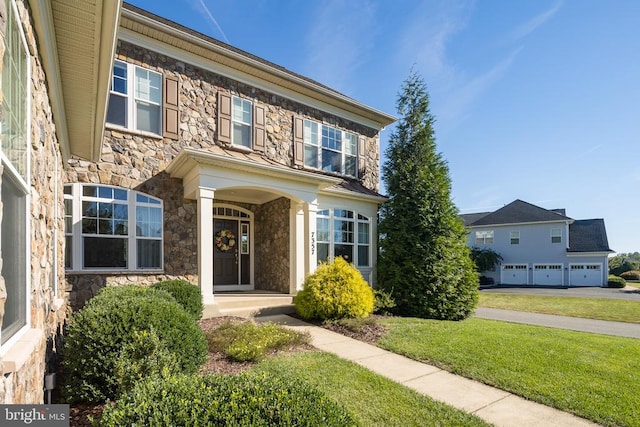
x: 424, y: 260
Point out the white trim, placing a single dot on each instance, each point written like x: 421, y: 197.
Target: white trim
x: 603, y: 272
x: 198, y: 61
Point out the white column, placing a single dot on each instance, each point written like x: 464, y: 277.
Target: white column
x: 311, y: 233
x: 297, y: 245
x: 205, y: 243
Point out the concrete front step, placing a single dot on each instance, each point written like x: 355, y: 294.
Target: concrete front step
x: 249, y: 305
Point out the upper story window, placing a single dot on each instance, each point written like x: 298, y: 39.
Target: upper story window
x: 330, y: 149
x: 136, y: 98
x: 556, y: 235
x: 14, y: 155
x: 344, y: 233
x: 242, y: 120
x: 112, y: 228
x: 514, y: 237
x: 484, y: 237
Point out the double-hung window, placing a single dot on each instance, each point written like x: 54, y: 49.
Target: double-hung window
x: 330, y: 149
x: 344, y: 233
x: 484, y: 237
x: 514, y: 237
x: 112, y: 228
x: 242, y: 119
x: 14, y: 154
x: 556, y: 235
x: 135, y: 101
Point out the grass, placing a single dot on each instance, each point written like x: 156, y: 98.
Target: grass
x: 371, y: 398
x: 248, y: 341
x: 593, y: 376
x: 590, y: 308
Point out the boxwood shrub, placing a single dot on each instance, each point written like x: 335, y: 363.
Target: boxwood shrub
x: 97, y: 334
x: 616, y: 282
x: 187, y: 295
x: 241, y: 400
x: 334, y: 291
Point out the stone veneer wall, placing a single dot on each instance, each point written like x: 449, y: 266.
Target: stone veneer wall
x: 272, y: 243
x: 48, y: 309
x: 137, y: 160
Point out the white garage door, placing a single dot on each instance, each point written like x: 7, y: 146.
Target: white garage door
x: 514, y: 274
x: 585, y: 275
x: 547, y: 274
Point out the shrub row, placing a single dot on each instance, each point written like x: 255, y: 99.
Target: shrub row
x: 631, y: 275
x: 241, y: 400
x: 125, y: 325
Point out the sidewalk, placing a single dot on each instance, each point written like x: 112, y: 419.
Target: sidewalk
x: 491, y: 404
x: 621, y: 329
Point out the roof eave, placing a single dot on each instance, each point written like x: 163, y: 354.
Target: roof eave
x: 276, y: 75
x: 77, y: 136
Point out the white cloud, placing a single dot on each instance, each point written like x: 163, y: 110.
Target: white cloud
x: 340, y: 36
x: 532, y: 24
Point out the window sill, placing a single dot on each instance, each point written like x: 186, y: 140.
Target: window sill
x: 18, y: 354
x: 114, y: 272
x: 110, y: 126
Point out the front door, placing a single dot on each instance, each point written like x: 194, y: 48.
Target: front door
x: 225, y: 252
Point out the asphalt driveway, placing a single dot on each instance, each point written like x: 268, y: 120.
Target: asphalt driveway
x: 628, y: 293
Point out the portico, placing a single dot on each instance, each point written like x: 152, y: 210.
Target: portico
x: 274, y: 243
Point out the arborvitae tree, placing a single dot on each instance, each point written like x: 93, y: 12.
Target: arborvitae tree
x: 424, y: 260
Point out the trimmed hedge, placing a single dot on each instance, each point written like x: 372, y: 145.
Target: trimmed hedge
x: 97, y: 334
x: 241, y: 400
x: 334, y: 291
x: 616, y: 282
x: 631, y: 275
x: 187, y: 295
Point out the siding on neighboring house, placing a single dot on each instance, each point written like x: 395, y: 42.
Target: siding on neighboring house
x: 540, y: 246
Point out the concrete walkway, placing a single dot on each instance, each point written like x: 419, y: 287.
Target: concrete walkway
x: 491, y: 404
x: 621, y: 329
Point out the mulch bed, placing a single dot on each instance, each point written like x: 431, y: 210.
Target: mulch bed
x: 218, y: 363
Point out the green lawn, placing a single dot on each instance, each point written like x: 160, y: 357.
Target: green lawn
x: 371, y: 398
x: 591, y: 308
x: 593, y: 376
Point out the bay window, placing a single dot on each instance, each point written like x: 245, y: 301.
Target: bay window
x: 14, y: 192
x: 343, y: 233
x: 112, y: 228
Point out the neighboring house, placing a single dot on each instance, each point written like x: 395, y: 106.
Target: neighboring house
x: 541, y: 246
x: 135, y: 150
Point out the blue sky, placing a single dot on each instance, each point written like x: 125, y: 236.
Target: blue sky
x: 537, y: 100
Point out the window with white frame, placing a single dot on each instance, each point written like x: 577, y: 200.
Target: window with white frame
x: 514, y: 237
x: 112, y: 228
x: 14, y: 154
x: 330, y: 149
x: 484, y: 237
x: 242, y: 119
x: 344, y: 233
x: 135, y: 101
x: 556, y: 235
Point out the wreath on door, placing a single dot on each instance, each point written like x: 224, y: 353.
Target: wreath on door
x: 225, y: 240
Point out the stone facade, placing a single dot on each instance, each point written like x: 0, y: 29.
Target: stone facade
x: 138, y: 161
x: 48, y: 291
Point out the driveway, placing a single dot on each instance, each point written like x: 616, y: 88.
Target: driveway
x: 628, y: 293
